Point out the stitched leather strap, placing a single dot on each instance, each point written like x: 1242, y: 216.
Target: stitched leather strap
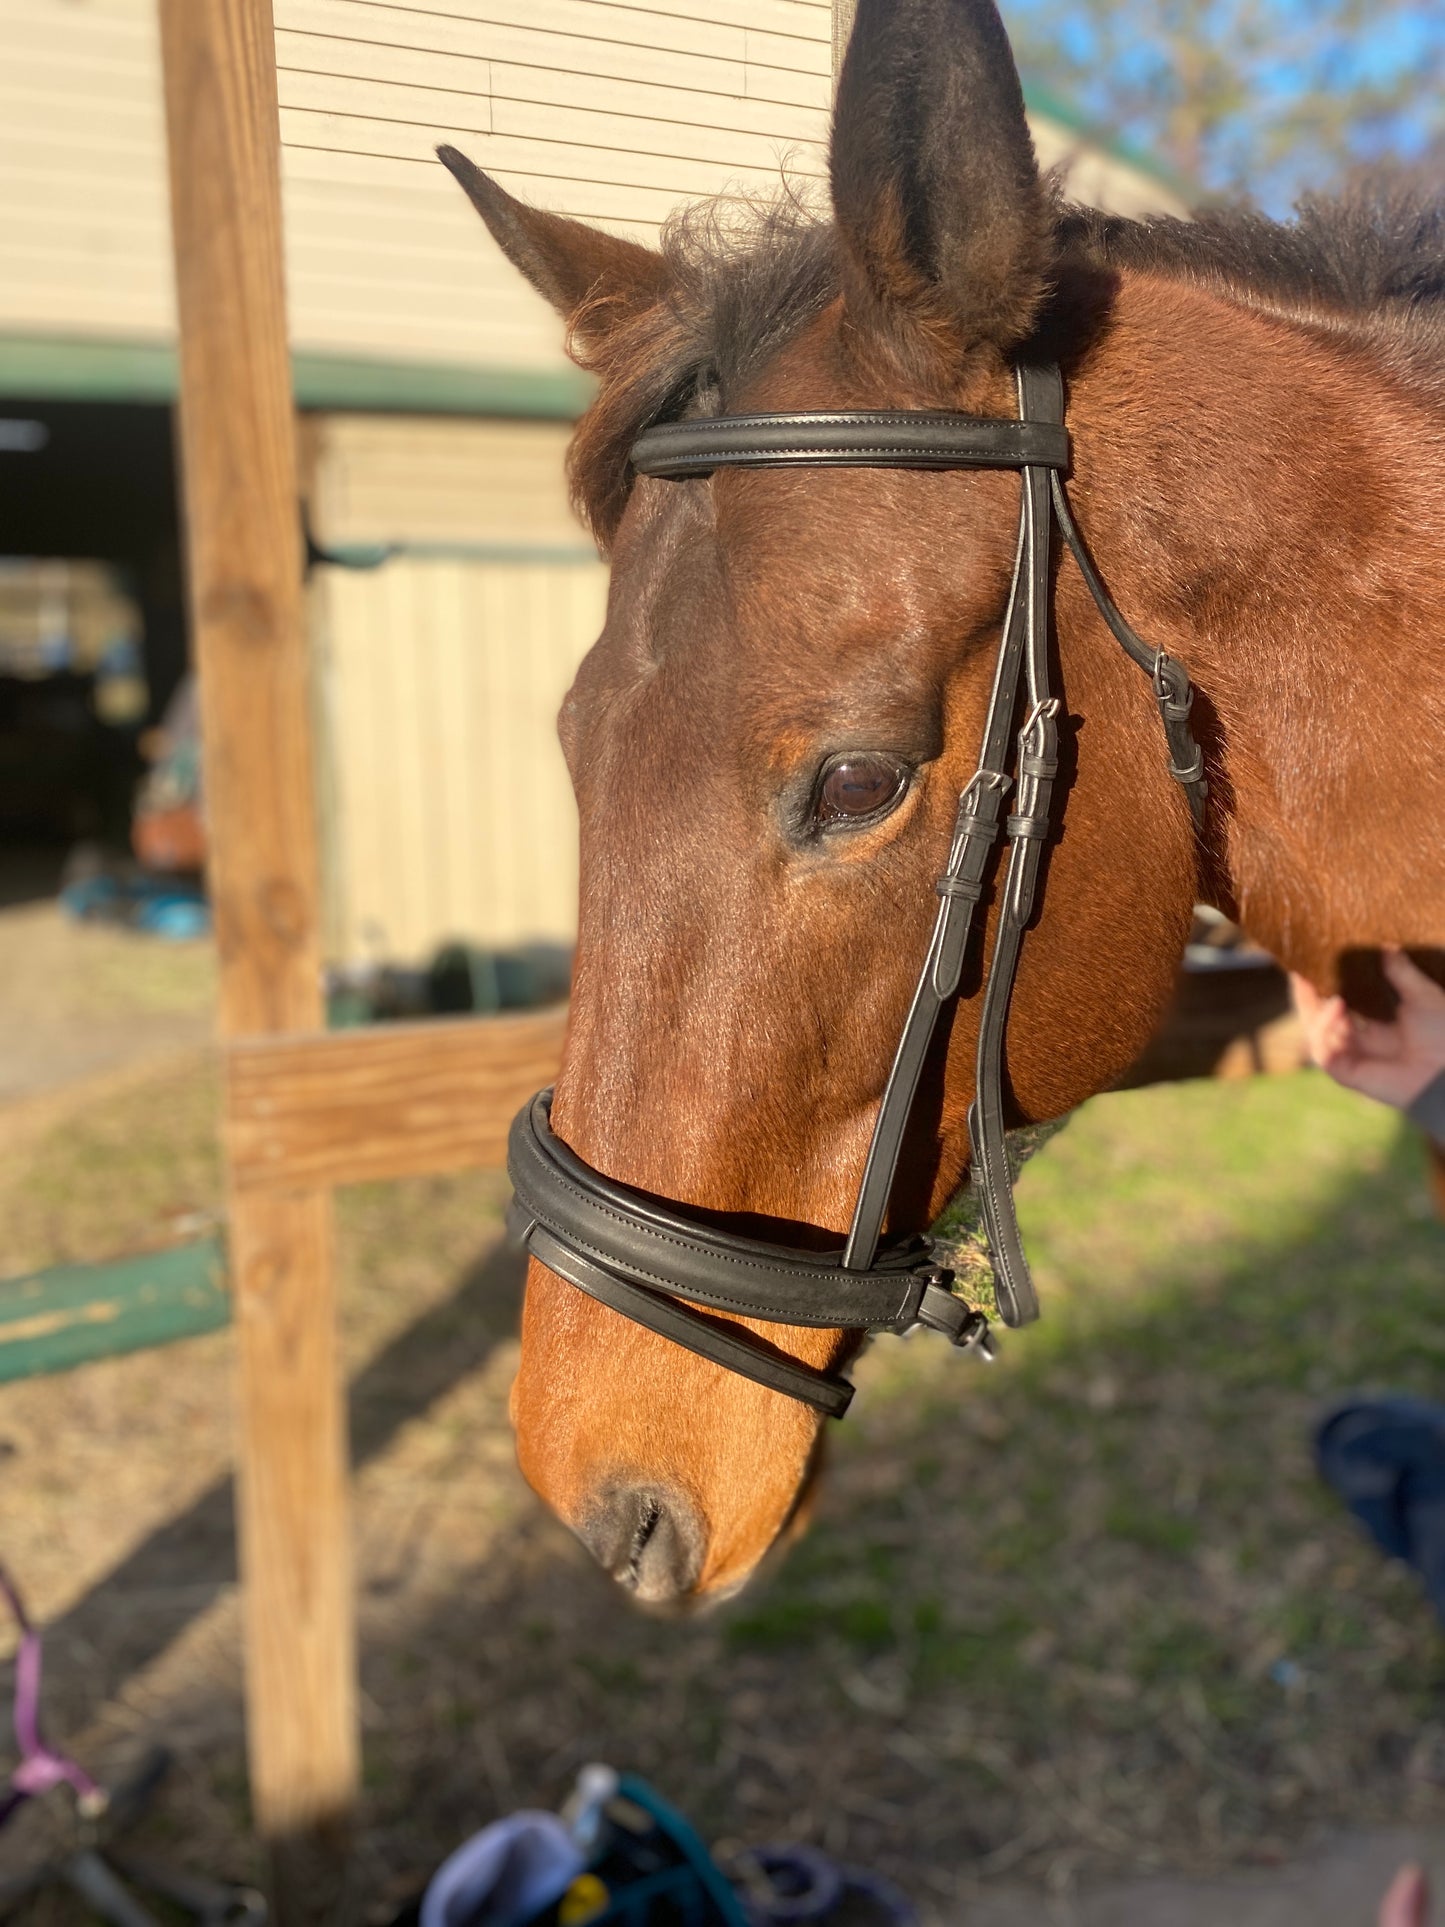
x: 623, y: 1231
x: 1172, y: 689
x: 848, y: 438
x: 668, y: 1273
x: 1041, y: 397
x: 730, y: 1346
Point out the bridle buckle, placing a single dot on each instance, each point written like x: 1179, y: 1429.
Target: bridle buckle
x: 940, y: 1309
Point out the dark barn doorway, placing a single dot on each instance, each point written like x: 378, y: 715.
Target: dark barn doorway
x: 92, y: 627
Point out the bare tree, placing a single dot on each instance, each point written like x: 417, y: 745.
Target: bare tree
x: 1271, y: 97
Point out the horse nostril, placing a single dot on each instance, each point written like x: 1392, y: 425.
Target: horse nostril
x: 649, y: 1538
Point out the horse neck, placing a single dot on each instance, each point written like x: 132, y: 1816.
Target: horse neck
x: 1268, y: 503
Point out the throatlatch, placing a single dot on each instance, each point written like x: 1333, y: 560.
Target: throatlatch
x: 687, y: 1281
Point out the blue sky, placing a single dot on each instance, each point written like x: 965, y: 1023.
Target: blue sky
x: 1308, y: 56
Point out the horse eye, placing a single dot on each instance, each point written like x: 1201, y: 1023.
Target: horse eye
x: 859, y: 786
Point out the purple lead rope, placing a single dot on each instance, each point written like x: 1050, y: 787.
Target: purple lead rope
x: 41, y: 1767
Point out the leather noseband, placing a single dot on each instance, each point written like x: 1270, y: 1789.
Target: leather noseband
x: 661, y: 1267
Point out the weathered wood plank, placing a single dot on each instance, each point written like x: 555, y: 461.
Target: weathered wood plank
x: 247, y: 625
x: 351, y: 1106
x: 52, y: 1321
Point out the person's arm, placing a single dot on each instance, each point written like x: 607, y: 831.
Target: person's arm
x: 1400, y: 1063
x: 1407, y: 1904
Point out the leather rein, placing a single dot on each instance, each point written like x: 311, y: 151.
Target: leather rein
x: 662, y: 1268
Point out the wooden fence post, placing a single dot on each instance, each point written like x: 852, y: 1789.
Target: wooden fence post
x: 238, y: 440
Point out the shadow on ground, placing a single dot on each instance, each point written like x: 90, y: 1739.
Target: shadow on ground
x: 1083, y: 1615
x: 182, y: 1569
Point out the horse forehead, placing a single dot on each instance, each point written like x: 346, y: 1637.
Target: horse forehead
x: 778, y: 571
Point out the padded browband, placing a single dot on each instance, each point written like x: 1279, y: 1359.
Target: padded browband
x: 564, y: 1204
x: 849, y: 438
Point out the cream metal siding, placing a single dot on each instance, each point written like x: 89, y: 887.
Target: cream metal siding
x: 447, y: 807
x: 450, y: 813
x: 616, y: 113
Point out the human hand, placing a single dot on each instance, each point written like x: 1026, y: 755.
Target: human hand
x: 1407, y: 1904
x: 1391, y: 1062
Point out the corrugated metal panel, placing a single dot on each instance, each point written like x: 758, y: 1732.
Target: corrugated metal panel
x: 448, y: 808
x: 612, y: 112
x: 450, y: 813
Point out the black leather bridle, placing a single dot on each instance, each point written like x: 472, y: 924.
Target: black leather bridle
x: 664, y: 1269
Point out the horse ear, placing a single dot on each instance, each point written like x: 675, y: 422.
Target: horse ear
x: 947, y: 228
x: 592, y: 279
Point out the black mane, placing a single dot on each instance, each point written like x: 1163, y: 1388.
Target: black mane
x: 1381, y: 244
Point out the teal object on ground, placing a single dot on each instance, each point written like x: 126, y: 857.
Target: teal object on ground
x: 650, y: 1869
x: 55, y: 1320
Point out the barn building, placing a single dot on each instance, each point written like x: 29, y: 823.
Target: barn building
x: 459, y: 592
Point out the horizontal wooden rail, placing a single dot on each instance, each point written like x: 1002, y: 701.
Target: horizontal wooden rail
x: 54, y: 1320
x: 399, y: 1100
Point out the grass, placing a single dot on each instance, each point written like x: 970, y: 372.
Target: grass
x: 1087, y: 1609
x: 1144, y: 1594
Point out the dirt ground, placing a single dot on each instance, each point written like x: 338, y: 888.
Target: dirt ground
x: 77, y: 1001
x: 1068, y: 1638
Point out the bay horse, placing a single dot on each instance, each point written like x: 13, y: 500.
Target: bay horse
x: 769, y: 740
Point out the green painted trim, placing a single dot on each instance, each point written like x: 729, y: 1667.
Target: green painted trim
x: 332, y: 381
x: 50, y: 368
x: 55, y: 1320
x: 40, y: 369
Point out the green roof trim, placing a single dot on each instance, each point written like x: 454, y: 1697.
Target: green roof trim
x: 53, y: 368
x: 425, y: 388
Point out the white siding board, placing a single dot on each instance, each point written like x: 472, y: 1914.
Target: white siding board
x: 467, y: 25
x: 109, y: 18
x: 34, y: 135
x: 124, y: 30
x: 409, y: 83
x: 369, y: 61
x: 732, y: 113
x: 791, y: 89
x: 801, y: 17
x: 560, y: 53
x: 114, y: 226
x: 382, y: 104
x: 594, y: 200
x: 789, y: 52
x: 427, y: 110
x: 755, y: 159
x: 69, y: 70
